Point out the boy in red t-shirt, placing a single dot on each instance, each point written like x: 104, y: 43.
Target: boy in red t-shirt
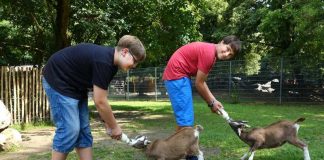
x: 195, y: 59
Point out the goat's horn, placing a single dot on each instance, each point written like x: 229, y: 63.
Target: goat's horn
x: 246, y: 125
x: 199, y: 128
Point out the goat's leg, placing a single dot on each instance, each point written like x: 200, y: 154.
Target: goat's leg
x: 246, y: 154
x: 300, y: 144
x: 252, y: 155
x: 306, y: 153
x: 194, y: 149
x: 200, y: 155
x: 255, y: 146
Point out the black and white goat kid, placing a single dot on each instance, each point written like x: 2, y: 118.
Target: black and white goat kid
x: 272, y: 136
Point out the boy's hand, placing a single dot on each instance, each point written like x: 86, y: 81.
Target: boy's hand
x: 115, y: 133
x: 216, y: 106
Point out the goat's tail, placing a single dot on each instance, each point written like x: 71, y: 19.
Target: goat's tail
x: 199, y: 128
x: 300, y: 120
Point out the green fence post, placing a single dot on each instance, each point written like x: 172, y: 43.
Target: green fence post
x: 229, y: 79
x: 155, y: 77
x: 281, y: 70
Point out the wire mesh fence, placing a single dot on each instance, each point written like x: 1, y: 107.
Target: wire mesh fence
x: 139, y: 84
x: 276, y: 81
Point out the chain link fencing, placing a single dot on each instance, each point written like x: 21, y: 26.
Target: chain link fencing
x: 275, y: 81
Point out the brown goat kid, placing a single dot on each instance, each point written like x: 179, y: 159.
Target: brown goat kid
x: 177, y: 146
x: 272, y: 136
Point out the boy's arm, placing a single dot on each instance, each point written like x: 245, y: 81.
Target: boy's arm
x: 105, y: 111
x: 204, y: 91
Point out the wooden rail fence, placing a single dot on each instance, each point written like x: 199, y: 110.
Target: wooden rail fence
x: 22, y: 92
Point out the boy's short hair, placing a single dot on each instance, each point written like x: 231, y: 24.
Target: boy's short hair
x: 234, y: 42
x: 134, y: 45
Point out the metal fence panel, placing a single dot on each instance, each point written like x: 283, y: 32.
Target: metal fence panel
x: 277, y: 81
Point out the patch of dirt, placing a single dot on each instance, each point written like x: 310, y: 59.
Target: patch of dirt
x: 35, y: 141
x: 40, y: 140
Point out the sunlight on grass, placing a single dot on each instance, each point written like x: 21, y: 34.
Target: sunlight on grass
x: 136, y: 105
x: 31, y: 126
x: 218, y: 141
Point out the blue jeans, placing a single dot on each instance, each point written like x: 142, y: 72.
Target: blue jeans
x: 180, y: 94
x: 71, y: 118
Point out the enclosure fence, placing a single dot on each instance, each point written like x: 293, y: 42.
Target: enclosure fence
x: 23, y: 94
x: 276, y: 81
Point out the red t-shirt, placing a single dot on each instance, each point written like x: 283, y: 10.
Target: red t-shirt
x: 186, y: 61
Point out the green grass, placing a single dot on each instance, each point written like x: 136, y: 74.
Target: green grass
x: 217, y: 140
x: 32, y: 126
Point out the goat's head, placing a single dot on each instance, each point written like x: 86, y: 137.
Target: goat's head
x: 238, y: 125
x: 140, y: 142
x: 199, y: 128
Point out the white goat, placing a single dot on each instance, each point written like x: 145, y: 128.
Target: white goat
x: 177, y: 146
x: 271, y: 136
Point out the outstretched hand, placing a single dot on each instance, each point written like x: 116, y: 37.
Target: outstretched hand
x: 114, y: 133
x: 216, y: 106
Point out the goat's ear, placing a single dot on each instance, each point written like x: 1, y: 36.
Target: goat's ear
x: 199, y: 128
x: 246, y: 126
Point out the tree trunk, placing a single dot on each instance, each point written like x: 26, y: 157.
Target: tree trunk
x: 62, y: 22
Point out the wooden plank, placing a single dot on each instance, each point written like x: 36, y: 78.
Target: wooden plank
x: 2, y: 82
x: 40, y: 96
x: 14, y: 94
x: 37, y: 96
x: 29, y: 93
x: 33, y: 97
x: 26, y: 120
x: 18, y: 95
x: 8, y: 90
x: 22, y: 94
x: 43, y: 95
x: 47, y: 104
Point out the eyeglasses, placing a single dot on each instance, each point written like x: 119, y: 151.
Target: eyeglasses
x: 134, y: 59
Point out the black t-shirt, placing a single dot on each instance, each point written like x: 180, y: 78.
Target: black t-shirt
x: 73, y: 70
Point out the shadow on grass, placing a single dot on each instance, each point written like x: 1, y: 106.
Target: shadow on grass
x: 138, y: 114
x: 141, y: 117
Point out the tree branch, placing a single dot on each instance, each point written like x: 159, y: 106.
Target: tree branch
x: 3, y: 44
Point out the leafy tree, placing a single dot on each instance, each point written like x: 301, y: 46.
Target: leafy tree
x: 276, y: 29
x: 27, y: 40
x: 46, y: 26
x: 32, y: 30
x: 162, y: 25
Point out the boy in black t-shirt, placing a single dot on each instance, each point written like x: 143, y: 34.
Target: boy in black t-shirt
x: 67, y: 76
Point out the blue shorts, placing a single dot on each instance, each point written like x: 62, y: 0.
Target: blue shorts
x: 71, y: 118
x: 180, y: 94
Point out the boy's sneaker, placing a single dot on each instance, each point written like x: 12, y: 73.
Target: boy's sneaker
x: 193, y: 157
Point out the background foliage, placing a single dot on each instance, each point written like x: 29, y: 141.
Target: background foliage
x: 32, y: 30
